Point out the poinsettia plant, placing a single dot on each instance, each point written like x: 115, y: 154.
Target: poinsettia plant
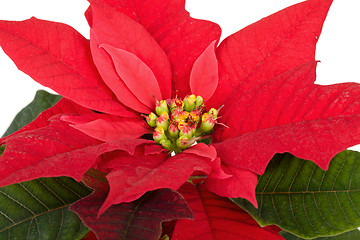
x: 170, y: 134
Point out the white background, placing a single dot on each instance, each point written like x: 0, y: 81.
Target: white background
x: 338, y: 47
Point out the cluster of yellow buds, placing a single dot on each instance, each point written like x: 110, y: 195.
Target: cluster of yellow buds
x: 179, y: 123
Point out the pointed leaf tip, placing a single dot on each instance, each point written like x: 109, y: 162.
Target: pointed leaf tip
x: 134, y: 175
x: 204, y: 74
x: 269, y: 47
x: 57, y: 56
x: 107, y: 128
x: 137, y: 76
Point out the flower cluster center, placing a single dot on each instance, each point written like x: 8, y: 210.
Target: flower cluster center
x: 178, y: 124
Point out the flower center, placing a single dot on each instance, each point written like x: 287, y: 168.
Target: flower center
x: 178, y: 124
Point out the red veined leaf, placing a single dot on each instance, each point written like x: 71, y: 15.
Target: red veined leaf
x: 107, y: 128
x: 136, y: 75
x: 269, y: 47
x: 204, y: 74
x: 132, y: 176
x: 289, y: 114
x: 183, y: 38
x: 140, y: 219
x: 34, y: 154
x: 52, y: 151
x: 122, y: 32
x: 246, y: 108
x: 37, y: 48
x: 217, y: 218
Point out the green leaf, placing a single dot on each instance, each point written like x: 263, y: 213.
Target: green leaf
x: 303, y: 199
x: 2, y: 148
x: 352, y: 235
x: 39, y: 209
x: 42, y: 101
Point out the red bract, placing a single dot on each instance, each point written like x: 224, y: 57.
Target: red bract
x: 217, y: 218
x: 142, y: 50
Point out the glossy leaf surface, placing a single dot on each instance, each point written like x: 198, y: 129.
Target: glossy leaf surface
x: 351, y: 235
x: 38, y: 209
x: 303, y: 199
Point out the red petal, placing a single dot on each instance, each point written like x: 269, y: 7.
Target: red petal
x: 136, y: 75
x: 217, y: 218
x: 246, y: 109
x: 183, y: 38
x: 269, y: 47
x: 240, y: 183
x: 204, y: 74
x: 114, y: 28
x: 108, y: 129
x: 288, y: 114
x: 132, y: 176
x: 63, y: 106
x: 55, y: 150
x: 57, y: 56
